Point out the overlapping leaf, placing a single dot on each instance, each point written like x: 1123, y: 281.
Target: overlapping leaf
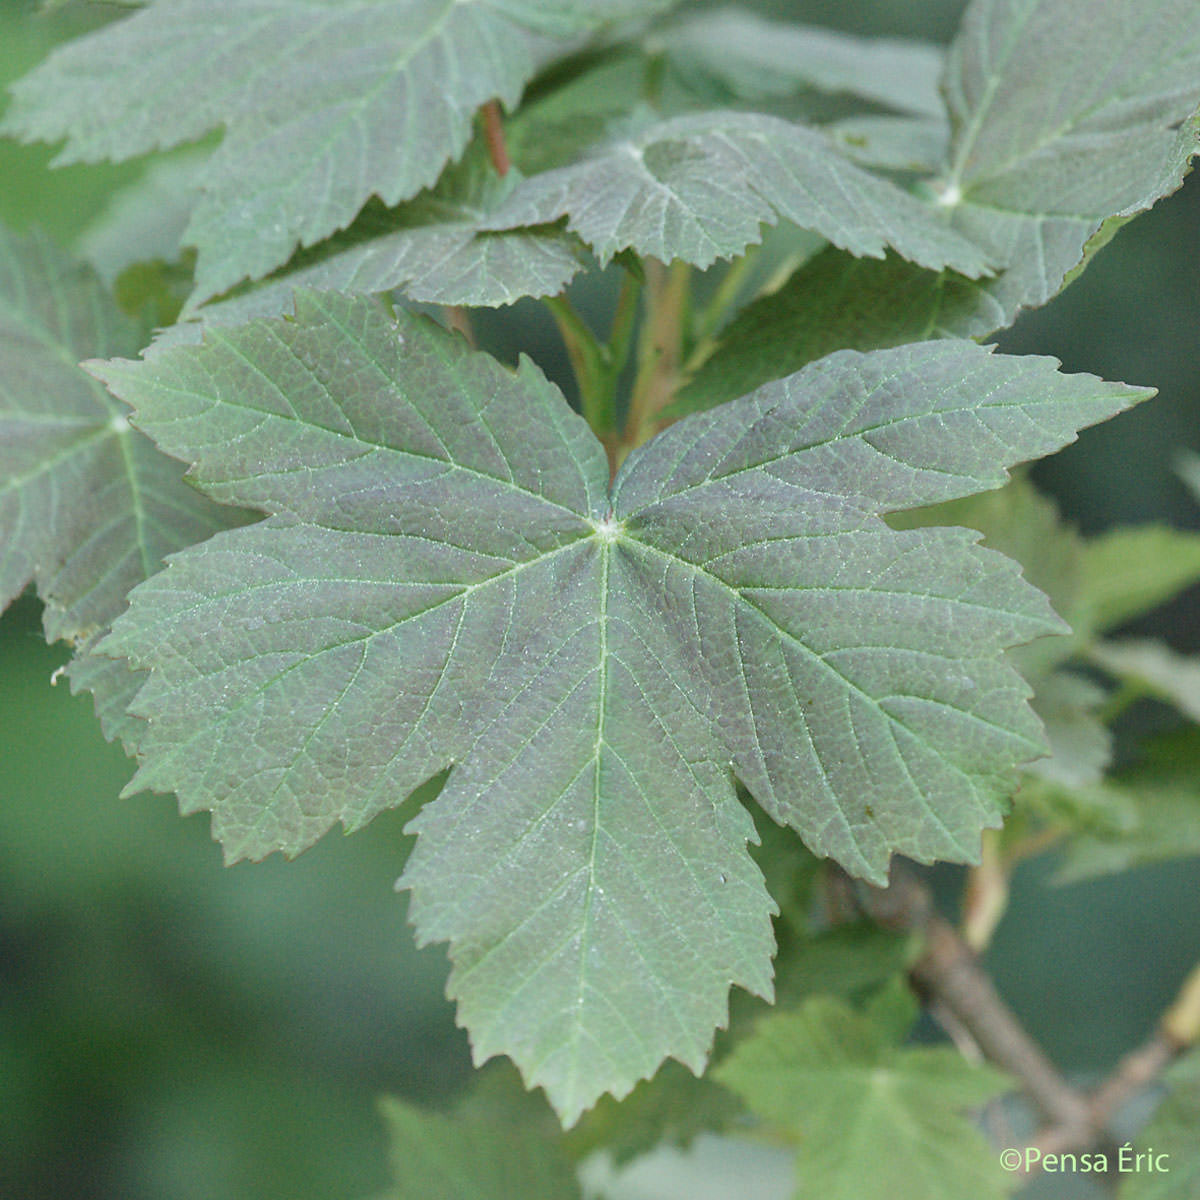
x: 324, y: 103
x: 446, y: 579
x: 699, y: 188
x: 1153, y: 667
x: 1147, y: 812
x: 1128, y: 572
x: 757, y: 59
x: 913, y: 144
x: 1038, y: 184
x: 466, y: 1154
x: 455, y: 245
x: 1168, y: 1141
x: 872, y: 1118
x: 1025, y: 525
x: 88, y: 506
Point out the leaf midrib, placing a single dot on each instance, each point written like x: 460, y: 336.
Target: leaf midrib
x: 463, y: 591
x: 739, y: 598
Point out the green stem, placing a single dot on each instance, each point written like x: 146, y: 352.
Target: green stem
x: 620, y: 340
x: 660, y: 351
x: 588, y: 358
x: 723, y: 299
x: 1118, y: 701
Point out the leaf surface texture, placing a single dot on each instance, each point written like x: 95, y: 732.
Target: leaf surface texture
x: 446, y: 579
x: 1064, y: 125
x: 324, y: 103
x: 88, y: 505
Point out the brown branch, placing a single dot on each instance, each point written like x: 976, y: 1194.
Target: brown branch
x: 493, y: 133
x: 948, y: 974
x: 949, y: 970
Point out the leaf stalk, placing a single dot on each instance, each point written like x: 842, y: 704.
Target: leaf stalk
x: 493, y: 134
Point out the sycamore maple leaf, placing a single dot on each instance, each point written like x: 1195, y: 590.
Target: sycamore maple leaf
x: 446, y: 579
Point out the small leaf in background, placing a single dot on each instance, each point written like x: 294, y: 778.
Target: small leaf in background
x: 88, y: 506
x: 1148, y: 812
x: 847, y: 961
x: 1172, y: 1134
x: 1039, y: 187
x: 146, y: 219
x: 673, y: 1108
x: 1128, y: 572
x: 871, y: 1117
x: 1069, y: 706
x: 323, y: 104
x: 699, y: 187
x: 447, y: 579
x: 475, y: 1155
x: 757, y: 59
x: 1154, y: 668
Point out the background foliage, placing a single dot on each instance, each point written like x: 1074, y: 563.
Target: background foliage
x: 168, y: 1029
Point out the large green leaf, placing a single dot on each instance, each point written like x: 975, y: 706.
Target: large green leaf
x: 1021, y: 523
x: 700, y: 187
x: 324, y: 103
x: 1038, y: 183
x: 872, y: 1118
x: 1034, y: 181
x: 88, y: 506
x: 446, y: 579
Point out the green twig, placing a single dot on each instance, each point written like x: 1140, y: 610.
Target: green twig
x: 620, y: 340
x: 588, y: 361
x: 713, y: 315
x: 660, y: 351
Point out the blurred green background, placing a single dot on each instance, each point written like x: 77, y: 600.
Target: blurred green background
x: 174, y: 1030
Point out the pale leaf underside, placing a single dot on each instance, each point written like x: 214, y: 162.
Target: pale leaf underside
x: 88, y: 506
x: 445, y: 579
x: 757, y: 59
x: 324, y: 103
x: 1063, y: 126
x: 700, y: 187
x: 452, y: 246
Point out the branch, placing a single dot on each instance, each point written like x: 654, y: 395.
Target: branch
x: 948, y: 973
x: 950, y: 978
